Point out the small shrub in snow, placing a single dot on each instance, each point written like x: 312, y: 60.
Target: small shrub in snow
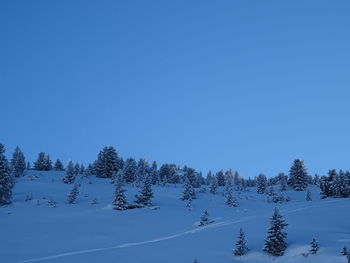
x: 308, y: 195
x: 189, y: 204
x: 345, y: 251
x: 205, y: 219
x: 51, y: 202
x: 314, y: 246
x: 278, y: 198
x: 93, y: 201
x: 28, y: 198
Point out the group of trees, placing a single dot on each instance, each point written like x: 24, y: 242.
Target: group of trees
x: 275, y: 242
x: 109, y: 163
x: 336, y: 184
x: 143, y: 198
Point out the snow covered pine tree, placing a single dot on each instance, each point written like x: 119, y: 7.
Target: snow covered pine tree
x: 6, y: 179
x: 119, y: 202
x: 241, y: 247
x: 275, y: 243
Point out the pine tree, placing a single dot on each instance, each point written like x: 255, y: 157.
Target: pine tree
x: 70, y: 173
x: 18, y: 163
x: 261, y: 183
x: 314, y: 246
x: 188, y: 190
x: 107, y: 162
x: 220, y: 178
x: 119, y: 202
x: 82, y: 169
x: 58, y: 165
x: 345, y: 251
x: 230, y: 200
x: 129, y: 170
x: 76, y: 169
x: 308, y: 195
x: 6, y: 179
x: 72, y: 197
x: 275, y: 243
x: 28, y: 166
x: 145, y: 195
x: 142, y: 171
x: 214, y: 186
x: 154, y: 172
x: 204, y: 218
x: 241, y: 247
x: 48, y: 163
x: 41, y: 164
x: 298, y: 175
x: 283, y: 182
x: 195, y: 260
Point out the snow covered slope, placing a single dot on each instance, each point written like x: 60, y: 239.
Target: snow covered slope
x: 32, y: 231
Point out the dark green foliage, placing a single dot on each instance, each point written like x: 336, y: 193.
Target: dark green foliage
x: 298, y: 176
x: 18, y: 163
x: 241, y: 247
x: 6, y: 179
x: 70, y: 174
x: 275, y: 243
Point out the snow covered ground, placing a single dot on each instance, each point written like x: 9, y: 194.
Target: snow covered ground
x: 32, y: 231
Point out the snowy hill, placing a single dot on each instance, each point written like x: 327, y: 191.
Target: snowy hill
x: 33, y: 231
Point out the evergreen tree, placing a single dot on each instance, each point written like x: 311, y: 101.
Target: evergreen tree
x: 107, y: 162
x: 230, y: 200
x: 48, y: 163
x: 283, y: 182
x: 41, y: 163
x: 82, y: 169
x: 119, y: 202
x: 220, y: 178
x: 58, y: 165
x: 261, y: 182
x: 195, y: 260
x: 204, y: 219
x: 6, y: 179
x: 145, y: 195
x: 89, y: 170
x: 345, y: 251
x: 142, y: 171
x: 154, y: 172
x: 188, y: 190
x: 314, y: 246
x: 275, y: 243
x: 72, y: 197
x: 76, y: 169
x: 129, y: 170
x: 308, y: 195
x: 70, y: 173
x: 18, y: 163
x: 241, y: 247
x: 214, y: 186
x: 298, y: 175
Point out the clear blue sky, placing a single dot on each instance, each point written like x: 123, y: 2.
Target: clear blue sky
x: 248, y: 85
